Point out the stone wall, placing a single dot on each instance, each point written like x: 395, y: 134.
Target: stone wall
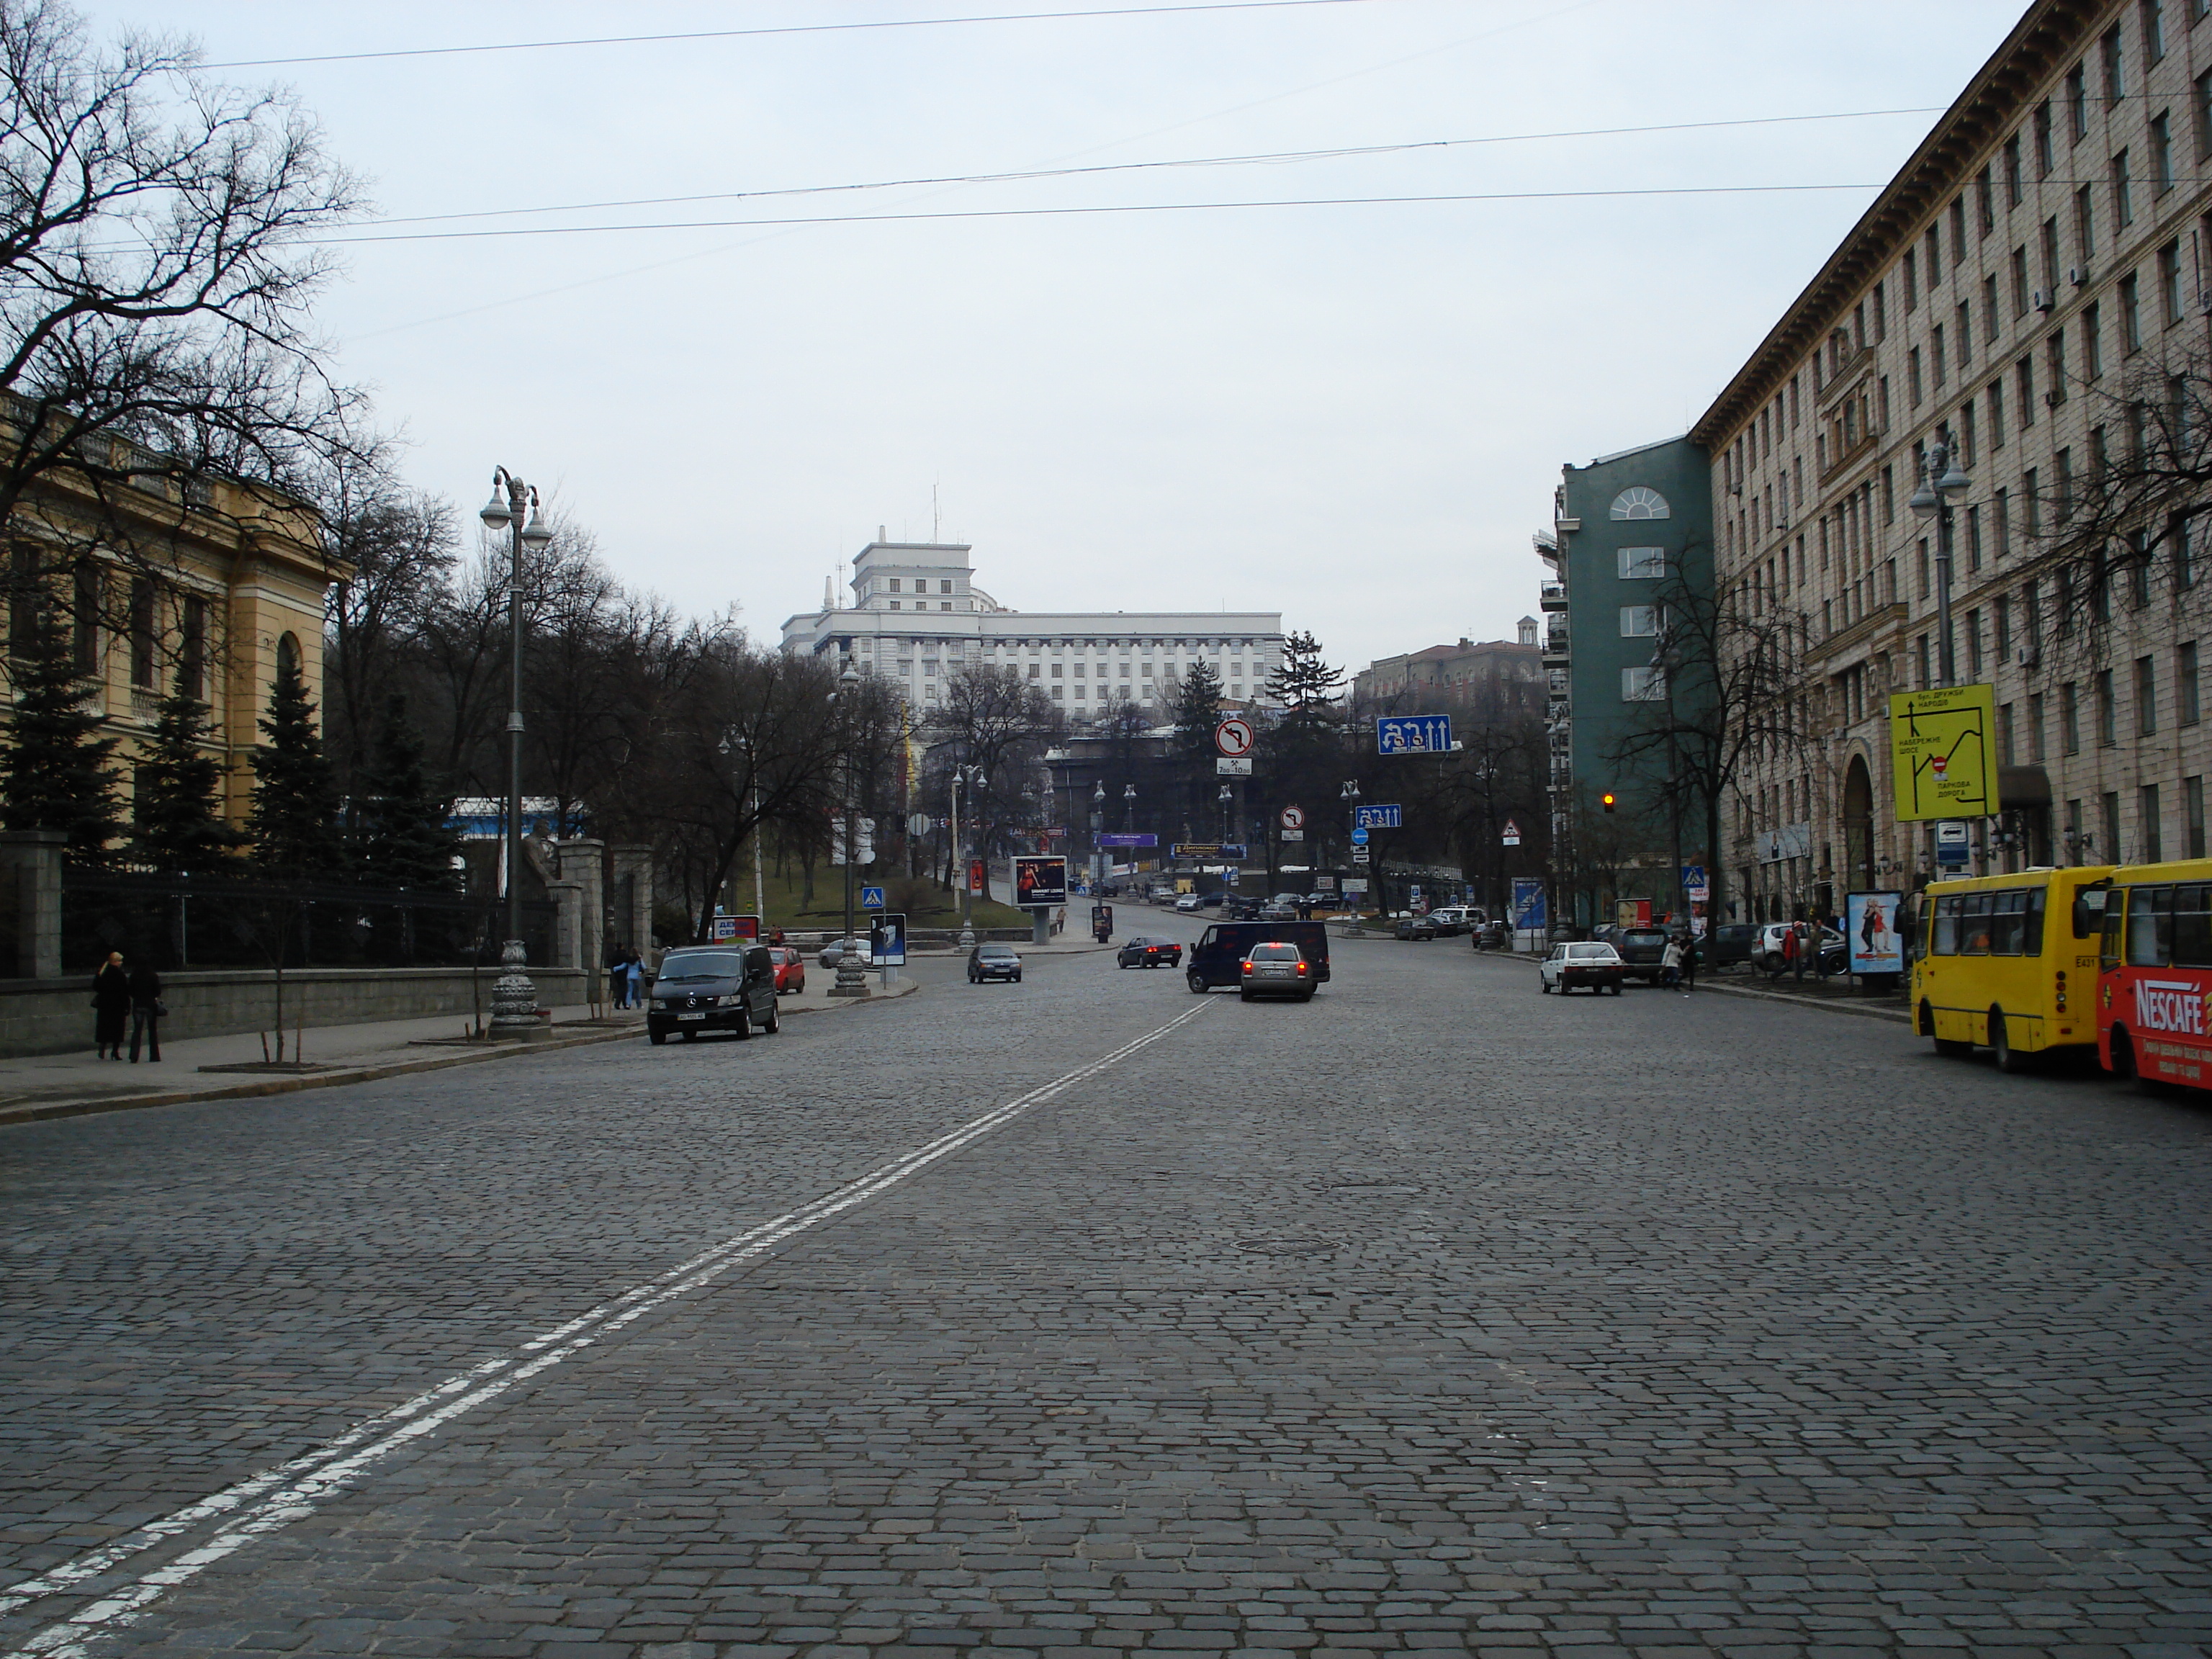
x: 54, y: 1016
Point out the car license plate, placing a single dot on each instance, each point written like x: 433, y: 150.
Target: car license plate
x: 691, y: 1015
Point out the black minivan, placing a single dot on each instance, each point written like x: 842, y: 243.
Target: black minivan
x: 1218, y: 958
x: 712, y: 988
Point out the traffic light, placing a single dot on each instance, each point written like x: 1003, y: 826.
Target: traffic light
x: 1606, y: 801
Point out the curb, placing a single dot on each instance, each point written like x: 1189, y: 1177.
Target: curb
x: 1860, y: 1011
x: 371, y: 1073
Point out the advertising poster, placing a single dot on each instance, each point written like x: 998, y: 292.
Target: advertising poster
x: 1871, y: 930
x: 887, y: 940
x: 1528, y: 904
x: 1040, y: 883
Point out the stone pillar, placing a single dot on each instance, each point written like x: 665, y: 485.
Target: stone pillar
x: 568, y: 898
x: 634, y: 927
x: 31, y: 903
x: 584, y: 862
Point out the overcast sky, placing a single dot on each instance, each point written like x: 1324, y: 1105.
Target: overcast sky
x: 1352, y: 414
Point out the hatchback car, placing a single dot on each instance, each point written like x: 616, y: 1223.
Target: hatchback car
x: 1187, y: 902
x: 993, y: 961
x: 790, y: 969
x: 1643, y: 952
x: 723, y: 989
x: 1586, y: 965
x: 1150, y: 953
x: 1418, y: 927
x: 1275, y: 970
x: 1276, y: 910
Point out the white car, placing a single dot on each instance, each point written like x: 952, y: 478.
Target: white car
x: 1583, y: 965
x: 861, y: 952
x: 1186, y: 903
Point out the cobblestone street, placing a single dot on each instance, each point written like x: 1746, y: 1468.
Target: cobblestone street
x: 1434, y: 1314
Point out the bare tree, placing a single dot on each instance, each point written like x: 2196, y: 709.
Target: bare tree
x: 397, y: 548
x: 993, y: 718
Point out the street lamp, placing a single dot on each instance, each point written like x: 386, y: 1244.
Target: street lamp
x: 1099, y: 862
x: 971, y: 778
x: 513, y: 506
x: 1942, y: 484
x: 1226, y: 796
x: 1349, y: 794
x: 852, y: 978
x: 734, y: 738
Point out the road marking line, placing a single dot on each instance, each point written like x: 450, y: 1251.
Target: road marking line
x: 276, y: 1498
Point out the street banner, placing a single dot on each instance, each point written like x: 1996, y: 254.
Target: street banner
x: 887, y: 940
x: 1941, y: 764
x: 975, y: 877
x: 1871, y: 930
x: 1528, y: 904
x: 1040, y: 883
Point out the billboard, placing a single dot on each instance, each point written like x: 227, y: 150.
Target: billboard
x: 1040, y: 883
x: 1871, y: 931
x: 1940, y: 742
x: 1527, y: 903
x: 887, y: 940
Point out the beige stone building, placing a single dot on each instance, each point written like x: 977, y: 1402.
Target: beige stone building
x: 222, y: 577
x: 2026, y: 288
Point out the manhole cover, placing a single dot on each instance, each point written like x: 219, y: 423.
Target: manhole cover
x: 1287, y: 1246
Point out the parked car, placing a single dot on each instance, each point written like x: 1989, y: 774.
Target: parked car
x: 861, y: 952
x: 1643, y: 952
x: 1826, y: 956
x: 1725, y: 947
x: 1150, y: 953
x: 993, y: 961
x: 1186, y: 902
x: 1589, y: 965
x: 1240, y: 909
x: 1418, y: 927
x: 728, y: 989
x: 1218, y: 958
x: 1278, y: 910
x: 1275, y: 970
x: 790, y: 969
x: 1491, y: 936
x: 1451, y: 921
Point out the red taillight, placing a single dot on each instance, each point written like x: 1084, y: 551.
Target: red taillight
x: 1301, y: 967
x: 2061, y: 998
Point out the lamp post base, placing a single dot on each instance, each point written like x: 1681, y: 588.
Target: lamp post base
x: 852, y: 978
x: 514, y: 999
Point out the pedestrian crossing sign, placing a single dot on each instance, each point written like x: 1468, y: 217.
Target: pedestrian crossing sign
x: 871, y: 898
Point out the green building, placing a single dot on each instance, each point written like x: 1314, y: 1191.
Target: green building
x: 1632, y: 544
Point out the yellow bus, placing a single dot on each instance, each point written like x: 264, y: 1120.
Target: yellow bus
x: 2009, y: 963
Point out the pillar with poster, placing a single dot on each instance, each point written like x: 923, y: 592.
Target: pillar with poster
x: 1040, y: 888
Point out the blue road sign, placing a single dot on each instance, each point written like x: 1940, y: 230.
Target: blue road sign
x: 1360, y: 837
x: 871, y: 898
x: 1379, y: 818
x: 1693, y: 875
x: 1527, y: 903
x: 1413, y: 735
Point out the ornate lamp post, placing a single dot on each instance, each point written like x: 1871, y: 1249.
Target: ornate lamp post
x: 514, y: 507
x: 970, y: 778
x: 1100, y: 863
x: 852, y: 978
x: 734, y: 740
x: 1942, y: 484
x: 1349, y: 794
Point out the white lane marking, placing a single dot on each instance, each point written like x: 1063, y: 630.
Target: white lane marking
x: 276, y: 1498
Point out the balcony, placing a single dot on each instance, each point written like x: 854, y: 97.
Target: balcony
x: 1552, y: 596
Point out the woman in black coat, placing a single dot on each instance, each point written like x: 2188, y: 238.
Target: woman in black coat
x: 110, y: 1005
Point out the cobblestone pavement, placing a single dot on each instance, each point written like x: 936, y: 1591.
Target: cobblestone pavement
x: 1434, y: 1314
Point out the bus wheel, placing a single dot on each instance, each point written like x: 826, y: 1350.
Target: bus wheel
x: 2009, y: 1059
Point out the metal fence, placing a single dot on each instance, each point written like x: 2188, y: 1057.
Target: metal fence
x: 186, y: 922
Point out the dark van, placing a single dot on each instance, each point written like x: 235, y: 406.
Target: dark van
x: 1218, y: 955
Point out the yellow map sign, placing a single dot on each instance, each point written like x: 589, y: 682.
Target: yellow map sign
x: 1940, y: 741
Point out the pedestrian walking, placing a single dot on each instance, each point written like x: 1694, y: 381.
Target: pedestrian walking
x: 618, y: 977
x: 1689, y: 965
x: 146, y: 1011
x: 1670, y: 962
x: 110, y: 1005
x: 633, y: 981
x: 1793, y: 958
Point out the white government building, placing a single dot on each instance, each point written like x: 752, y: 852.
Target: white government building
x: 916, y: 615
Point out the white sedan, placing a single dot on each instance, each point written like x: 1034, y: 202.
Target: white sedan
x: 1586, y: 966
x: 835, y: 948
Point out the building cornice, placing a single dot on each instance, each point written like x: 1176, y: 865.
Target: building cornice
x: 2049, y: 33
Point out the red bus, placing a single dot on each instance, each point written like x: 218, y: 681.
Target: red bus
x: 2154, y: 974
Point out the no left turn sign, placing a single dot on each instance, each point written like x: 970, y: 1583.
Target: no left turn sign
x: 1233, y: 737
x: 1293, y: 818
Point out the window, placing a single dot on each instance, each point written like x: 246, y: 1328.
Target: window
x: 1996, y: 414
x: 2192, y: 807
x: 2109, y: 805
x: 2032, y: 499
x: 1974, y: 645
x: 1643, y: 563
x: 2041, y: 123
x: 2200, y: 113
x: 895, y: 584
x: 2130, y: 314
x: 2185, y: 705
x: 1986, y: 201
x: 2123, y: 201
x: 1909, y: 267
x: 1958, y: 234
x: 1912, y: 376
x: 1639, y: 502
x: 945, y: 585
x: 2054, y: 350
x: 2146, y: 697
x: 1990, y: 323
x: 1973, y: 538
x: 2153, y: 31
x: 2161, y: 153
x: 2004, y: 735
x: 2001, y: 520
x: 2169, y: 282
x: 1936, y: 353
x: 2147, y: 829
x: 2085, y: 226
x: 1642, y: 686
x: 2014, y: 188
x: 1638, y: 621
x: 85, y: 595
x: 1965, y: 334
x: 2019, y: 295
x: 2050, y: 245
x: 1057, y: 671
x: 142, y: 640
x: 2108, y: 729
x: 2093, y: 347
x: 2116, y: 84
x: 2035, y: 729
x: 196, y: 648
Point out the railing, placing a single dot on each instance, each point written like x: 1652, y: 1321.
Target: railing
x: 189, y: 922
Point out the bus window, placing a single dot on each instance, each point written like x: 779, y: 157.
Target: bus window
x: 2192, y: 926
x: 2089, y: 910
x: 2150, y: 927
x: 1945, y: 940
x: 1974, y: 924
x: 2031, y: 940
x: 2108, y: 951
x: 2008, y: 922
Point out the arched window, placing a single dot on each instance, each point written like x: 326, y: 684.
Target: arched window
x: 287, y: 653
x: 1639, y: 502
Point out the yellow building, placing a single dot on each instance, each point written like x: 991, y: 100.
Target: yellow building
x: 222, y: 577
x: 2041, y: 259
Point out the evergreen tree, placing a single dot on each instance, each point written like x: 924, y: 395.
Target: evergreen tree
x: 293, y: 820
x: 1197, y: 711
x: 400, y: 837
x: 1308, y: 688
x: 180, y: 826
x: 55, y: 773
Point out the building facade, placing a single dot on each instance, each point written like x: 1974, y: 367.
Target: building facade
x: 1631, y: 533
x: 1489, y: 681
x: 2031, y: 289
x: 916, y: 616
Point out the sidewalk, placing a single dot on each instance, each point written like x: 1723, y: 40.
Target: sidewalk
x: 39, y: 1086
x: 1838, y: 995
